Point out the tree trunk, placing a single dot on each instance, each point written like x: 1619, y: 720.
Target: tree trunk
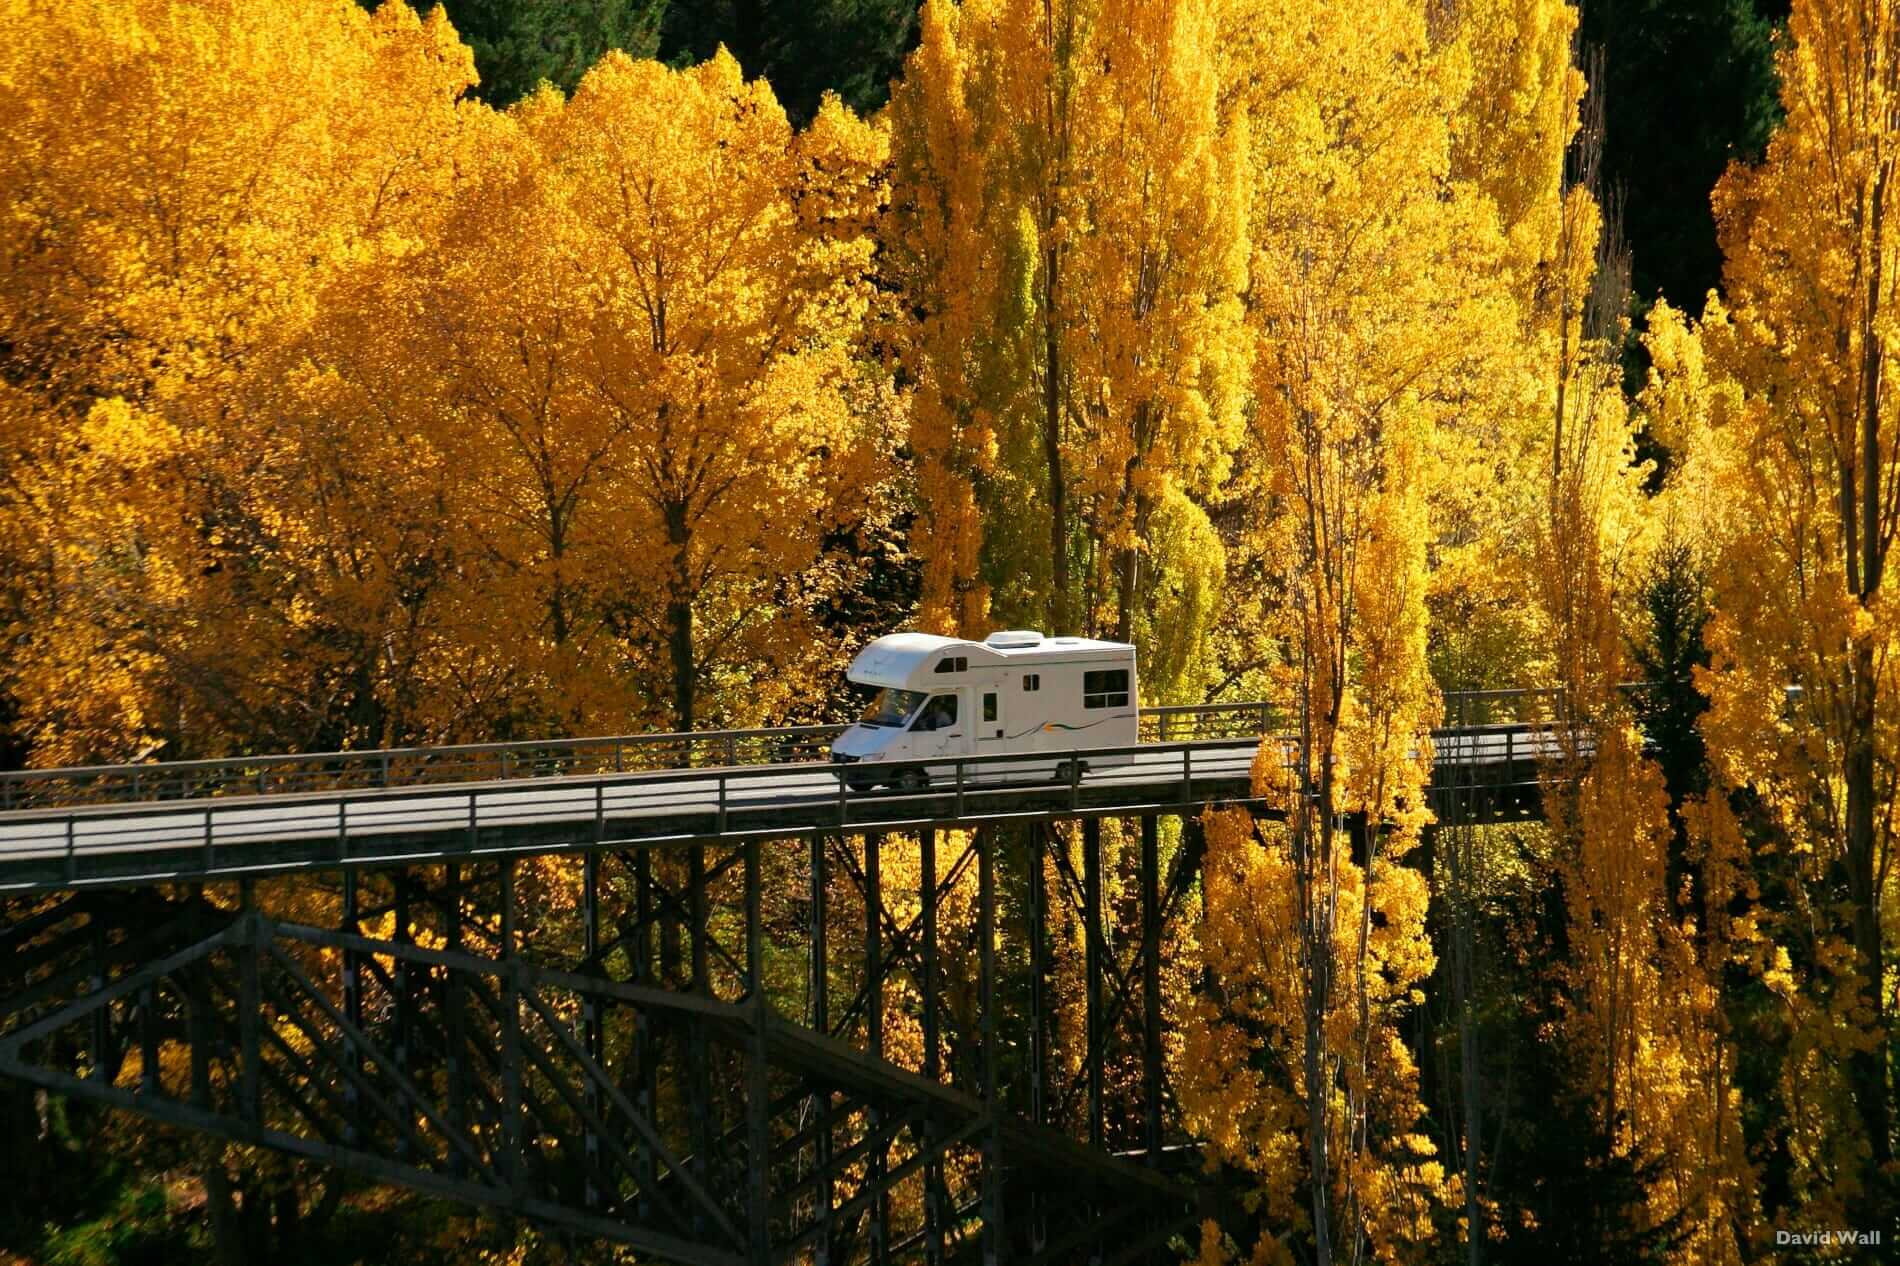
x: 1142, y: 507
x: 1315, y: 872
x: 679, y: 617
x: 1129, y: 564
x: 227, y: 1231
x: 1458, y: 891
x: 1060, y: 622
x: 1869, y: 1068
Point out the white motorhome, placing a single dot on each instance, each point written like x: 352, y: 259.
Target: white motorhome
x: 1013, y: 692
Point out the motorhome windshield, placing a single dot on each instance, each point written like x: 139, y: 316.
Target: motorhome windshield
x: 893, y: 707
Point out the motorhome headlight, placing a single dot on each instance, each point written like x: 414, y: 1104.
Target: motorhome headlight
x: 839, y: 758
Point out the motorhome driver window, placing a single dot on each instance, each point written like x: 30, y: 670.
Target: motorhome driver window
x: 1107, y: 688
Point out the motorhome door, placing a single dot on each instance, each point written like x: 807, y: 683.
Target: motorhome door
x: 991, y: 700
x: 941, y: 725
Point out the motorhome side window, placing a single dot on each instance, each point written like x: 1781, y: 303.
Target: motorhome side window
x: 955, y: 664
x: 1032, y: 681
x: 939, y: 714
x: 1107, y: 688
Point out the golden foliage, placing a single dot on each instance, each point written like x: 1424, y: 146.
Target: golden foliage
x: 344, y: 411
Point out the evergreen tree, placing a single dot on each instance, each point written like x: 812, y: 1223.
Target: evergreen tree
x: 519, y: 43
x: 1676, y: 596
x: 805, y: 47
x: 1690, y: 88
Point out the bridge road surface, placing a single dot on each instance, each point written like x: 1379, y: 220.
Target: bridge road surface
x: 231, y: 836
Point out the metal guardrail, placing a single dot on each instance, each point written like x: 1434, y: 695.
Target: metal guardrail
x: 532, y: 758
x: 230, y: 835
x: 610, y: 754
x: 411, y: 766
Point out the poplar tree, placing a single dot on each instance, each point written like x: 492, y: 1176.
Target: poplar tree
x: 1782, y: 397
x: 1069, y: 226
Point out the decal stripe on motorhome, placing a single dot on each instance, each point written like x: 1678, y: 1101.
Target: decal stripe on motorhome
x: 1057, y: 725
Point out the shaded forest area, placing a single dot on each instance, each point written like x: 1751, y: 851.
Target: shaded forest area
x: 374, y: 377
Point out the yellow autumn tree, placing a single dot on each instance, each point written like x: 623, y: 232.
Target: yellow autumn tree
x: 1510, y: 135
x: 1276, y: 1077
x: 1780, y: 399
x: 184, y: 182
x: 1642, y: 1005
x: 1364, y: 327
x: 647, y: 309
x: 958, y: 344
x: 1068, y: 225
x: 1156, y: 345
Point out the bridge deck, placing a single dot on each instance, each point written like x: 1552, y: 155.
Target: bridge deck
x: 231, y: 835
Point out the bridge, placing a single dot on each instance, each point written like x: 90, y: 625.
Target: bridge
x: 690, y: 993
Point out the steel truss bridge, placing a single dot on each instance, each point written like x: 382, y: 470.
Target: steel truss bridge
x: 688, y: 993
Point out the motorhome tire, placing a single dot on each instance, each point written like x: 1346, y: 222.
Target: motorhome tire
x: 912, y: 779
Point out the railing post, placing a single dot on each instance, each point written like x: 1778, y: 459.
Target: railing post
x: 722, y: 804
x: 959, y: 788
x: 208, y: 860
x: 72, y: 859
